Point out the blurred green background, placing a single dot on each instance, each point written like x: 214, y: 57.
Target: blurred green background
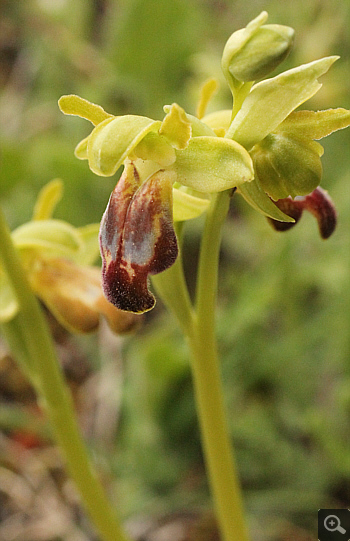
x: 284, y: 299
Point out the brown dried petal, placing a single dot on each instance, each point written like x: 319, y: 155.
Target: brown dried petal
x: 137, y: 241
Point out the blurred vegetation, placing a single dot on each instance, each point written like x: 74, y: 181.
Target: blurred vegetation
x: 284, y: 313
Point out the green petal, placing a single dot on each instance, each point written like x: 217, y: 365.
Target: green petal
x: 55, y: 236
x: 187, y: 206
x: 208, y: 90
x: 47, y: 200
x: 213, y: 164
x: 271, y: 101
x: 176, y: 127
x: 113, y: 140
x: 257, y: 198
x: 315, y: 124
x: 74, y: 105
x: 81, y: 150
x: 8, y: 301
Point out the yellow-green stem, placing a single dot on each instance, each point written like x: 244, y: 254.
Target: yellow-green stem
x: 239, y: 97
x: 217, y: 445
x: 41, y: 363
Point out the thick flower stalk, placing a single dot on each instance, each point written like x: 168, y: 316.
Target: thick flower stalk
x: 184, y: 166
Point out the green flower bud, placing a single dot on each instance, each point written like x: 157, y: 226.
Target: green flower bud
x: 255, y: 51
x: 287, y: 166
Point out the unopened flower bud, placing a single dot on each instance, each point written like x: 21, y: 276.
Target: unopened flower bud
x: 255, y: 51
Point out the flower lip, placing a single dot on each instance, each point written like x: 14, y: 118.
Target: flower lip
x: 318, y: 203
x: 137, y: 238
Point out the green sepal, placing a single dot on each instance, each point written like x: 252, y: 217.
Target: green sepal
x: 55, y: 236
x: 75, y: 105
x: 213, y: 164
x: 315, y: 124
x: 272, y: 100
x: 287, y: 166
x: 113, y: 140
x: 187, y: 206
x: 8, y: 301
x: 257, y: 198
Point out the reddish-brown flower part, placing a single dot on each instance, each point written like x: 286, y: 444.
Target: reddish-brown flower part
x: 137, y: 238
x: 317, y: 202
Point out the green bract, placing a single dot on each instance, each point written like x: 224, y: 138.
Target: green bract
x: 271, y: 101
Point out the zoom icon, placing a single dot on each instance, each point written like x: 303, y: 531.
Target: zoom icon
x: 334, y: 524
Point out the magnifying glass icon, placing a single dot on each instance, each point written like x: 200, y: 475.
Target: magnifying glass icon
x: 332, y: 524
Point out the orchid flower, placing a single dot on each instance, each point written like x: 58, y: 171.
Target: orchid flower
x: 262, y: 147
x: 58, y: 261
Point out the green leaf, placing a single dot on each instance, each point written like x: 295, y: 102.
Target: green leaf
x: 271, y: 101
x: 113, y: 140
x: 213, y: 164
x: 75, y: 105
x: 315, y: 124
x: 257, y: 198
x: 187, y: 206
x: 55, y: 236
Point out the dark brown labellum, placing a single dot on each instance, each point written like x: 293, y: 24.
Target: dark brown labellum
x: 317, y: 202
x: 137, y: 239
